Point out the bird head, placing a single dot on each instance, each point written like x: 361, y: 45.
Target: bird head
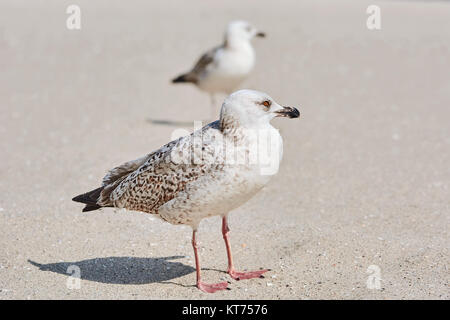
x: 251, y: 108
x: 242, y: 30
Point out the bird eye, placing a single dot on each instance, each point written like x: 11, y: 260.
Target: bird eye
x: 266, y: 104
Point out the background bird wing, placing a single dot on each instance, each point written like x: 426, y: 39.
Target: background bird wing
x: 204, y: 61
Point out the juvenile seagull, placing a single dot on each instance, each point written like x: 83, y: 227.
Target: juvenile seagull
x: 210, y: 172
x: 222, y: 69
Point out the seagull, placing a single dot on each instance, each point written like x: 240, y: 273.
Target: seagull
x: 208, y: 173
x: 223, y: 68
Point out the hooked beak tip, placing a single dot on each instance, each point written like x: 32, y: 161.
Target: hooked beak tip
x: 288, y: 112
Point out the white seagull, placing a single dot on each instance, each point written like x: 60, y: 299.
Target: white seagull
x: 223, y: 68
x: 208, y: 173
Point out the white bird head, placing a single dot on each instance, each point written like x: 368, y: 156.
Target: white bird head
x: 250, y: 108
x: 241, y: 31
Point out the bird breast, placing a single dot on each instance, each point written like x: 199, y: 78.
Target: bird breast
x: 236, y: 61
x: 238, y: 176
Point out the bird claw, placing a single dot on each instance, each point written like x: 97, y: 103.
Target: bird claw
x: 213, y: 287
x: 247, y: 275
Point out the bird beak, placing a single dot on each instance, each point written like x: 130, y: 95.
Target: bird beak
x: 289, y: 112
x: 261, y: 34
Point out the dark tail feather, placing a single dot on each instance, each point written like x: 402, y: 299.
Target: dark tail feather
x: 91, y: 207
x: 90, y: 199
x: 183, y: 78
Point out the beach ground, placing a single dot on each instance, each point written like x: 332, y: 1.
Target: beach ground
x: 363, y: 190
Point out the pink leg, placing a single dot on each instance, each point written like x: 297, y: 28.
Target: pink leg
x: 205, y: 287
x: 233, y: 273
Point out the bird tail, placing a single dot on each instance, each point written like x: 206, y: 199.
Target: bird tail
x: 187, y: 77
x: 90, y: 199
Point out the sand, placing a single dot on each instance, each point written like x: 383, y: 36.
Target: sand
x: 364, y: 183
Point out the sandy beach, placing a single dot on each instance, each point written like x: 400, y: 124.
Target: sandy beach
x: 364, y: 184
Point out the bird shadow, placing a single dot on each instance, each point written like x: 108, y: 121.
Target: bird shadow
x: 122, y: 270
x: 170, y: 122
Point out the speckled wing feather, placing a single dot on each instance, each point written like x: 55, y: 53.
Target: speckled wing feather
x: 147, y: 183
x: 123, y: 170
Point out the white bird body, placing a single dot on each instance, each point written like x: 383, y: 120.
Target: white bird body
x: 216, y: 175
x: 224, y: 68
x: 210, y: 172
x: 228, y: 184
x: 231, y: 65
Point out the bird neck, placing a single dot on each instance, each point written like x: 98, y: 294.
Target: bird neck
x: 237, y: 43
x: 229, y: 124
x: 232, y: 125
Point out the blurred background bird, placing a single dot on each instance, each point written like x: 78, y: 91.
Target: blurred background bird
x: 223, y: 68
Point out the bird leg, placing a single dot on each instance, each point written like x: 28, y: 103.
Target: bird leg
x: 205, y: 287
x: 236, y: 275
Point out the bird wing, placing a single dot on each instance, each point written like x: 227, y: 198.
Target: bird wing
x: 148, y: 182
x: 204, y: 61
x: 123, y: 170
